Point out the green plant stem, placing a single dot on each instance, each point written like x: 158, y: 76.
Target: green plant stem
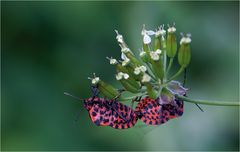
x: 207, y: 102
x: 132, y: 97
x: 169, y: 66
x: 152, y: 75
x: 165, y: 64
x: 177, y: 74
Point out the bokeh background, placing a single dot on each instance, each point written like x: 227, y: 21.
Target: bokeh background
x: 52, y: 47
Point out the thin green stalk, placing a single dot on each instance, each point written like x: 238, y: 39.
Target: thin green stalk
x: 169, y: 66
x: 177, y: 74
x: 207, y: 102
x: 151, y: 74
x: 165, y: 64
x: 132, y: 97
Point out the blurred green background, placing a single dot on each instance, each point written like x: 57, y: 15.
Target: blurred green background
x: 52, y: 47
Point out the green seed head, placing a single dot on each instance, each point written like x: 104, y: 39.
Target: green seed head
x: 184, y: 53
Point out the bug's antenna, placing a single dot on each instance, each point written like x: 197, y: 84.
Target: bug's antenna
x: 184, y: 82
x: 75, y: 97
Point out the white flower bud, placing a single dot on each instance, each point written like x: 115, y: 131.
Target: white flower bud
x: 143, y: 68
x: 125, y: 62
x: 171, y: 29
x: 142, y: 53
x: 185, y: 40
x: 95, y: 80
x: 125, y: 50
x: 119, y: 76
x: 113, y: 61
x: 154, y: 56
x: 158, y: 51
x: 161, y: 31
x: 119, y: 37
x: 145, y: 33
x: 137, y: 71
x: 146, y: 78
x: 146, y: 39
x: 125, y: 76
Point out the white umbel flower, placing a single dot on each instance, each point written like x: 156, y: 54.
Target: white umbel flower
x: 119, y: 37
x: 171, y: 29
x: 125, y: 62
x: 146, y: 78
x: 142, y: 54
x: 113, y: 61
x: 158, y: 51
x: 137, y: 71
x: 140, y: 69
x: 121, y: 76
x: 146, y: 37
x: 185, y: 40
x: 125, y: 76
x: 154, y: 55
x: 143, y: 68
x: 95, y: 80
x: 125, y: 50
x: 160, y: 31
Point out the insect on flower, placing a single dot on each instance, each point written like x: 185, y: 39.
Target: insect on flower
x: 104, y: 112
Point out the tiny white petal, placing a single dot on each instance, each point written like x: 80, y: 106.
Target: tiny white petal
x: 143, y: 68
x: 95, y: 80
x: 158, y: 51
x: 125, y: 61
x: 119, y: 76
x: 123, y: 56
x: 137, y: 71
x: 154, y: 56
x: 125, y: 76
x: 146, y: 78
x: 142, y: 53
x: 113, y: 61
x: 125, y: 50
x: 185, y: 40
x: 160, y: 32
x: 150, y: 32
x: 146, y: 39
x: 171, y: 29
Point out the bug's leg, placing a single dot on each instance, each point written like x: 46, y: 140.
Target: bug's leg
x: 136, y: 99
x: 95, y: 91
x: 184, y: 82
x: 121, y: 90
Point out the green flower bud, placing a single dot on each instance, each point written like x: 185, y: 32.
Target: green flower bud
x: 105, y: 89
x: 159, y: 37
x: 157, y: 44
x: 143, y: 56
x: 129, y: 55
x: 119, y: 67
x: 130, y: 69
x: 157, y: 64
x: 171, y: 42
x: 184, y: 53
x: 146, y: 81
x: 128, y: 83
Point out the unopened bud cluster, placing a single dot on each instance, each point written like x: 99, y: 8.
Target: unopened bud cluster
x: 147, y: 72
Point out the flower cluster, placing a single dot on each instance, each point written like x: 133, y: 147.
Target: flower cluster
x: 148, y: 78
x: 149, y: 73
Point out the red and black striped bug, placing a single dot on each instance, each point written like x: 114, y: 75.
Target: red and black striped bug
x: 105, y: 112
x: 152, y: 113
